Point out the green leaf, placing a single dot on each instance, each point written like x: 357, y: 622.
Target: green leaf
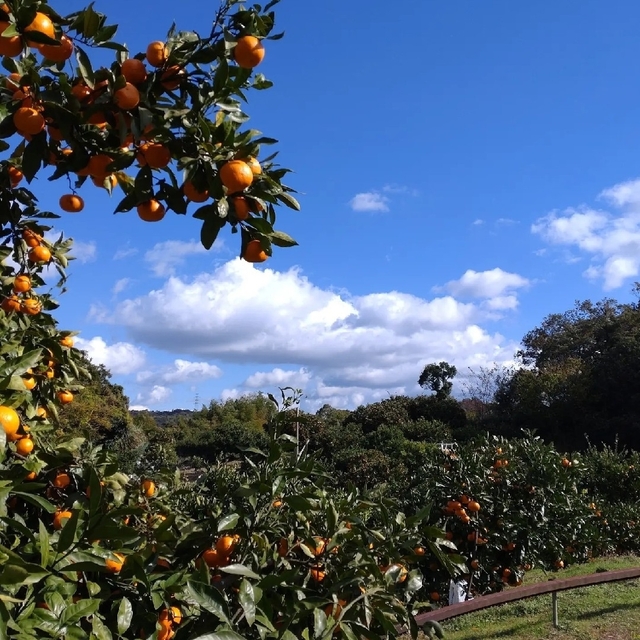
x: 209, y: 599
x: 281, y: 239
x: 288, y: 200
x: 38, y: 501
x: 210, y: 229
x: 75, y: 612
x: 125, y: 615
x: 240, y: 570
x: 13, y: 574
x: 33, y: 157
x: 247, y: 599
x: 43, y: 542
x: 84, y: 67
x: 100, y: 630
x: 68, y: 532
x: 319, y: 623
x: 228, y: 522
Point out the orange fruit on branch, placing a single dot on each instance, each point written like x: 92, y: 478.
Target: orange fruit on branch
x: 67, y: 341
x: 151, y: 211
x: 42, y: 24
x: 110, y: 179
x: 254, y: 165
x: 71, y: 203
x: 173, y: 614
x: 318, y: 574
x: 32, y: 238
x: 28, y: 120
x: 10, y: 46
x: 31, y: 306
x: 24, y: 446
x: 65, y: 397
x: 157, y: 54
x: 97, y: 167
x: 148, y: 488
x: 115, y: 566
x: 39, y: 253
x: 226, y: 544
x: 21, y: 284
x: 9, y: 419
x: 248, y: 52
x: 128, y: 97
x: 156, y: 155
x: 29, y: 383
x: 473, y: 506
x: 172, y: 77
x: 10, y: 305
x: 59, y: 518
x: 236, y: 175
x: 241, y: 208
x: 15, y: 176
x: 254, y: 252
x: 81, y: 91
x: 62, y: 481
x: 59, y: 53
x: 134, y: 71
x: 191, y: 193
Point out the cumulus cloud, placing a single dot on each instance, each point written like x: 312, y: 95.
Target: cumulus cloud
x: 182, y: 371
x: 370, y: 201
x: 156, y: 395
x: 312, y: 337
x: 165, y: 257
x: 121, y: 285
x: 84, y: 251
x: 610, y: 239
x: 121, y: 358
x: 494, y: 283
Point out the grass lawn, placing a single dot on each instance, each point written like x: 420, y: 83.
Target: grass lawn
x: 602, y: 612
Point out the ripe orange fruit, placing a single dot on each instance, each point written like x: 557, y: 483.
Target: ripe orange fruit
x: 62, y: 480
x: 320, y: 545
x: 283, y: 547
x: 115, y: 566
x: 24, y: 446
x: 99, y: 119
x: 566, y: 463
x: 41, y: 413
x: 191, y: 193
x: 71, y: 203
x: 172, y: 78
x: 558, y: 564
x: 473, y: 506
x: 12, y: 81
x: 15, y: 176
x: 241, y: 207
x: 156, y: 155
x: 11, y: 46
x: 9, y: 419
x: 31, y: 306
x: 335, y: 609
x: 419, y: 551
x: 166, y: 632
x: 29, y: 382
x: 128, y: 97
x: 276, y: 504
x: 65, y: 397
x: 214, y: 559
x: 81, y: 91
x: 151, y: 211
x: 10, y: 305
x: 318, y: 574
x: 110, y: 179
x: 254, y: 252
x: 67, y: 341
x: 134, y: 71
x: 32, y: 475
x: 57, y: 54
x: 31, y: 238
x: 474, y: 564
x: 41, y: 23
x: 173, y: 614
x: 59, y: 518
x: 236, y: 175
x: 21, y: 284
x: 97, y: 167
x: 148, y: 488
x: 248, y: 52
x: 39, y: 253
x: 254, y: 165
x: 435, y: 596
x: 157, y: 53
x: 226, y: 544
x: 28, y: 120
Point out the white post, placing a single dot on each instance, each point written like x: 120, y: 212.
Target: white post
x: 554, y: 604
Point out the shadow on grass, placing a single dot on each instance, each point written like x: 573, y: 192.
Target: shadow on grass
x: 506, y: 633
x: 611, y: 609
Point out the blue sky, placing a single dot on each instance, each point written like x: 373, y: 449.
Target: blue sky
x: 465, y: 168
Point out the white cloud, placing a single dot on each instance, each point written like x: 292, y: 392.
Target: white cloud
x: 478, y: 222
x: 611, y: 240
x: 505, y: 222
x: 312, y: 337
x: 182, y: 371
x: 164, y: 257
x: 138, y: 407
x: 125, y: 252
x: 121, y: 285
x: 156, y: 395
x: 370, y: 201
x: 400, y: 189
x: 278, y: 378
x: 121, y: 358
x: 84, y: 251
x: 486, y: 284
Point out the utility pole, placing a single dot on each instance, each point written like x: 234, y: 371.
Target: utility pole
x: 196, y: 401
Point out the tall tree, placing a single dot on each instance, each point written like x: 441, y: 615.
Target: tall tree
x: 438, y: 378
